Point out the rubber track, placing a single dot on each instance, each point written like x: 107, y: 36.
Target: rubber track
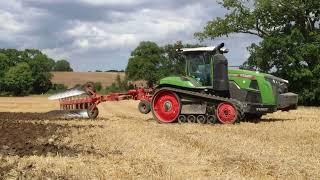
x: 207, y: 97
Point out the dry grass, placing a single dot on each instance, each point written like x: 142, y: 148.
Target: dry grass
x: 70, y: 79
x: 125, y: 144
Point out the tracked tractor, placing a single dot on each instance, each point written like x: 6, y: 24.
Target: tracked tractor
x: 211, y: 92
x: 208, y: 93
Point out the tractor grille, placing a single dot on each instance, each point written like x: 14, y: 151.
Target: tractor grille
x: 279, y: 86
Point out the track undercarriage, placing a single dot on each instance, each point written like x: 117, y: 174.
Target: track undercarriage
x: 173, y: 104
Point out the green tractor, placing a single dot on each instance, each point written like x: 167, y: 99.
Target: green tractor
x: 210, y: 92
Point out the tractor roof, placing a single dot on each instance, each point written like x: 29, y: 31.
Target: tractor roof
x: 211, y: 48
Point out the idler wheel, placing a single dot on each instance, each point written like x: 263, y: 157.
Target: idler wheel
x: 227, y: 113
x: 166, y: 106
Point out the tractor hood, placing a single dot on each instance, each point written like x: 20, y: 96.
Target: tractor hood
x: 180, y: 81
x: 257, y: 74
x: 247, y: 72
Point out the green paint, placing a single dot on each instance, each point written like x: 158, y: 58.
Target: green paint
x: 186, y: 82
x: 244, y: 83
x: 199, y: 67
x: 265, y: 86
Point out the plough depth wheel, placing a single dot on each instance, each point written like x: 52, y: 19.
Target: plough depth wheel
x: 93, y: 113
x: 144, y: 107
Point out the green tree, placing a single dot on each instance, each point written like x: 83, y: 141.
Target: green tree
x: 55, y: 88
x: 62, y: 65
x: 18, y: 80
x: 14, y: 56
x: 38, y: 62
x: 144, y: 63
x: 120, y: 85
x: 98, y: 86
x: 290, y: 39
x: 151, y: 62
x: 41, y: 66
x: 4, y: 66
x: 174, y: 62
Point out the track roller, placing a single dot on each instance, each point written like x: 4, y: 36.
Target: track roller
x: 192, y: 119
x: 211, y: 119
x: 201, y: 119
x: 182, y: 119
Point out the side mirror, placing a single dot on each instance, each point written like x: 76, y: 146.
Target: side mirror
x: 224, y: 50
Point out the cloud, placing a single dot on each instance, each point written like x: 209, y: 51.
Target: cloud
x: 100, y: 34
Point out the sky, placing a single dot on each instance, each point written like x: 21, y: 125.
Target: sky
x: 100, y: 34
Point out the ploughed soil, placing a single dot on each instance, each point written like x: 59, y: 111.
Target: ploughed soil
x: 25, y: 134
x: 31, y: 116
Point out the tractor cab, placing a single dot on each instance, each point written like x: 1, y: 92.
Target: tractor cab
x: 198, y: 66
x: 206, y: 68
x: 199, y: 63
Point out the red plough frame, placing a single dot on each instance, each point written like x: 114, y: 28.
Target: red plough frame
x: 91, y: 102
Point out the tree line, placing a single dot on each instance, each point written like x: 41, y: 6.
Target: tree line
x: 27, y: 71
x: 289, y: 47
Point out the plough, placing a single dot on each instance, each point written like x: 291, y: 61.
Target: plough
x: 82, y: 102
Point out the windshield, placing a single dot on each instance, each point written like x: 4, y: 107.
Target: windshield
x: 198, y: 67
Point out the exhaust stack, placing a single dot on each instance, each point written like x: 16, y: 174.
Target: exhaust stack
x: 220, y: 76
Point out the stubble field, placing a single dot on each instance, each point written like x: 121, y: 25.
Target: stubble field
x: 124, y: 144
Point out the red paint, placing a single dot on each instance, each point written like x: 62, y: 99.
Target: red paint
x: 166, y: 106
x: 226, y: 113
x: 73, y: 103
